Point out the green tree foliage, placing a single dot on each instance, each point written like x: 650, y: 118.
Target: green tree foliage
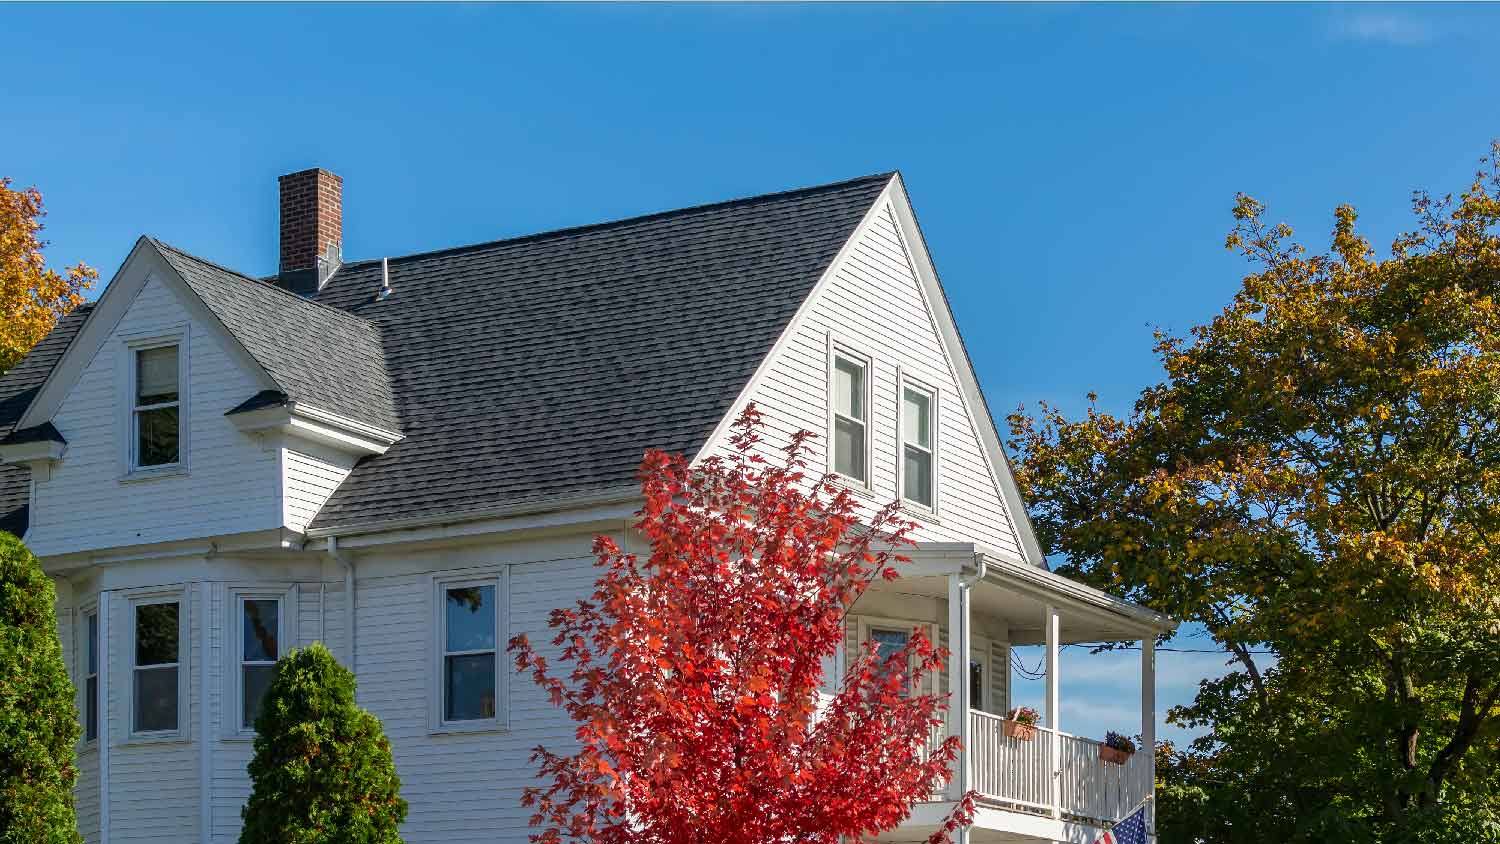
x: 1317, y: 477
x: 38, y: 722
x: 322, y: 771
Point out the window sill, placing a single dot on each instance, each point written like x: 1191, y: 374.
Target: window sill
x: 154, y: 473
x: 464, y: 729
x: 918, y: 511
x: 146, y: 739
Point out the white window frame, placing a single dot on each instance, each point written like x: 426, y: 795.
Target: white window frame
x: 285, y: 597
x: 179, y: 597
x: 130, y: 346
x: 836, y: 350
x: 868, y: 624
x: 905, y: 382
x: 90, y: 612
x: 437, y: 687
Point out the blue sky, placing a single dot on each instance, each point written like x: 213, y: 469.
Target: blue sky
x: 1073, y: 166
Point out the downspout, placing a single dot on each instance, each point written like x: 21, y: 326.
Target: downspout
x: 343, y: 559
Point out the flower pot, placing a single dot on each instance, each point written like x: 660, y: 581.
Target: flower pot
x: 1017, y: 730
x: 1113, y: 755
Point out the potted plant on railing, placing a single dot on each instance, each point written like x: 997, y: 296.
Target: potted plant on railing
x: 1116, y: 748
x: 1020, y: 723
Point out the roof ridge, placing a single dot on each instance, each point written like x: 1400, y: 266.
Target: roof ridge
x: 640, y: 218
x: 159, y: 243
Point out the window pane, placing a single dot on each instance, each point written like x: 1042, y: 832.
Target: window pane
x: 260, y: 627
x: 976, y: 685
x: 156, y: 375
x: 155, y: 634
x: 917, y: 476
x: 157, y: 436
x: 93, y: 645
x: 91, y: 709
x: 849, y: 448
x: 916, y: 418
x: 848, y: 388
x: 888, y: 642
x: 155, y: 699
x: 471, y: 618
x: 470, y: 687
x: 255, y: 680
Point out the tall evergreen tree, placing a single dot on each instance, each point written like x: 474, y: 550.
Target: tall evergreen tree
x: 38, y: 722
x: 322, y: 771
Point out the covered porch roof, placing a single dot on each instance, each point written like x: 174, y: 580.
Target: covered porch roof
x: 1018, y: 595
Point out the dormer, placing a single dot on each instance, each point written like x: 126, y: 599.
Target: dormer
x: 194, y: 403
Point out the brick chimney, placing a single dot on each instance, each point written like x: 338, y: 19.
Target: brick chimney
x: 312, y: 229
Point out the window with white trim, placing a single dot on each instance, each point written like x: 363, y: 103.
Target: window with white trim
x: 851, y: 413
x: 156, y: 654
x: 91, y: 676
x: 260, y: 647
x: 918, y: 445
x: 156, y: 405
x: 469, y: 656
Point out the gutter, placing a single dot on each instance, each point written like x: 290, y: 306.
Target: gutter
x: 1043, y: 580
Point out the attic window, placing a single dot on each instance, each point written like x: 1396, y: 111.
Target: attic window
x: 157, y: 403
x: 850, y: 417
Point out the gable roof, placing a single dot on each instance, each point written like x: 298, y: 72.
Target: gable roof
x: 316, y: 354
x: 542, y: 367
x: 17, y: 389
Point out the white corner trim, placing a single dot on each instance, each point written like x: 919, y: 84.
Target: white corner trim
x: 296, y: 419
x: 205, y: 719
x: 105, y: 712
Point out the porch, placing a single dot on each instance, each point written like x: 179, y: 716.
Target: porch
x: 1050, y: 785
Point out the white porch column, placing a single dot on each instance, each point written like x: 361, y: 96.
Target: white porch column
x: 958, y: 681
x: 1148, y: 722
x: 1054, y: 751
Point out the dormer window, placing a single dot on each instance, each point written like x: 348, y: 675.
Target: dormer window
x: 155, y: 420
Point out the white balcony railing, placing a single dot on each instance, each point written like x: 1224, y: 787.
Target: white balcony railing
x: 1020, y: 772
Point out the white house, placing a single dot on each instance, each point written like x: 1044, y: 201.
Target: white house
x: 215, y: 468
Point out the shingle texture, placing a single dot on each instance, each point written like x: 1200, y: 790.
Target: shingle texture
x: 17, y: 389
x: 545, y: 366
x: 528, y: 369
x: 317, y: 354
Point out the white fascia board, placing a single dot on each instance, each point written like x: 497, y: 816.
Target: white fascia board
x: 294, y: 419
x: 42, y: 451
x: 1045, y: 585
x: 721, y: 430
x: 963, y: 367
x: 144, y: 263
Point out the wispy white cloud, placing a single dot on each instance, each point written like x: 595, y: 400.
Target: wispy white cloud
x: 1385, y: 27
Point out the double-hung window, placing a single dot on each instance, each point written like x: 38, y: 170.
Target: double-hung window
x: 156, y: 402
x: 156, y: 651
x: 889, y: 642
x: 918, y: 467
x: 91, y: 677
x: 851, y: 417
x: 260, y: 647
x: 470, y: 616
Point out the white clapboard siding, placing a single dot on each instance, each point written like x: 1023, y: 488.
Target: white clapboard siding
x: 154, y: 785
x: 874, y: 304
x: 231, y: 485
x: 310, y: 474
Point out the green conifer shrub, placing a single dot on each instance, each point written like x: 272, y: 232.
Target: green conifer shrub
x: 322, y: 771
x: 38, y: 721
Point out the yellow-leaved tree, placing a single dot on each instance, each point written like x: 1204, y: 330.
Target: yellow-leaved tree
x: 32, y: 297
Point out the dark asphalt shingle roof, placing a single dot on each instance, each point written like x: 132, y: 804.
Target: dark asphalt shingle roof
x: 526, y: 369
x: 320, y: 355
x: 544, y: 366
x: 17, y: 389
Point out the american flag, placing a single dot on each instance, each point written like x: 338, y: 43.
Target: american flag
x: 1131, y: 830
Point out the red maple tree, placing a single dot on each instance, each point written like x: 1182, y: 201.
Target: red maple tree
x: 694, y: 674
